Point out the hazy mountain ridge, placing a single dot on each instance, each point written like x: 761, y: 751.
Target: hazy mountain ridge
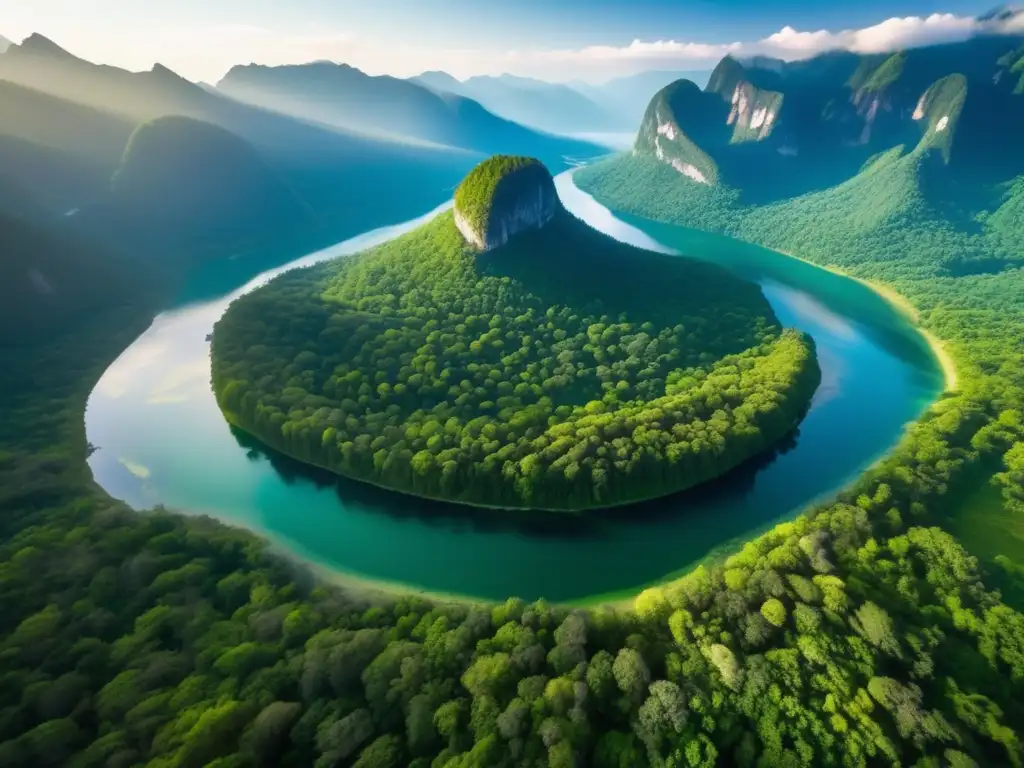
x: 41, y: 64
x: 627, y: 97
x: 550, y: 107
x: 77, y: 117
x: 343, y: 96
x: 191, y: 182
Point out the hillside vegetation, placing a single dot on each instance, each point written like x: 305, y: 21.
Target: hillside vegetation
x: 189, y: 182
x: 476, y: 193
x: 517, y: 378
x: 48, y: 281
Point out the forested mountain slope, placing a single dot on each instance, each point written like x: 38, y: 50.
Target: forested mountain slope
x: 340, y: 95
x: 185, y: 183
x: 48, y: 281
x: 771, y: 130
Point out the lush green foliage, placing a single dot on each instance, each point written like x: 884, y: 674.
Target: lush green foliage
x: 887, y: 224
x: 885, y: 74
x: 521, y: 378
x: 853, y: 636
x: 843, y: 639
x: 475, y: 196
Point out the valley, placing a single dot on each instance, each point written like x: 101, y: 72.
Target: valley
x: 270, y: 539
x: 146, y: 404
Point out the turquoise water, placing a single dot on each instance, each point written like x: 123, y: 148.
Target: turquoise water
x: 162, y: 441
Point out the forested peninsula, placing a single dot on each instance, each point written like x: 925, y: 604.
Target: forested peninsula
x: 508, y: 367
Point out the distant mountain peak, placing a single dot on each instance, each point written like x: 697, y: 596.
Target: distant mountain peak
x: 439, y: 73
x: 42, y: 46
x: 160, y: 70
x: 4, y: 44
x: 1001, y: 13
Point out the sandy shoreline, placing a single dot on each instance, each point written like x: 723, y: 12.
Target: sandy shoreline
x: 902, y: 305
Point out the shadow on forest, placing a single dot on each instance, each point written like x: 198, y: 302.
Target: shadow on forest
x: 720, y: 492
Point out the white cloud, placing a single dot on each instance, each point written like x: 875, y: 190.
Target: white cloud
x: 602, y: 61
x: 791, y: 44
x: 206, y: 52
x: 639, y: 49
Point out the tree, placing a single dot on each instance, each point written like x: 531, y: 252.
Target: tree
x: 631, y: 674
x: 339, y: 739
x: 385, y: 752
x: 724, y: 660
x: 268, y: 737
x: 662, y: 716
x: 874, y: 625
x: 774, y: 612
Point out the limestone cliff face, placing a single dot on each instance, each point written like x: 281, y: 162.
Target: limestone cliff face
x: 680, y: 124
x: 496, y: 202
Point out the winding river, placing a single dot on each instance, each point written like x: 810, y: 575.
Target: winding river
x: 162, y: 441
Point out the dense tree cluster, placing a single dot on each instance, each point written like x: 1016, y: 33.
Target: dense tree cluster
x: 853, y: 636
x: 524, y: 377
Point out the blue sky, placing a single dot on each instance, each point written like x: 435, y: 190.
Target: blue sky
x: 554, y: 39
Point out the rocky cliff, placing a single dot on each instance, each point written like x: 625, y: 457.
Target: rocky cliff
x: 777, y: 130
x: 503, y: 196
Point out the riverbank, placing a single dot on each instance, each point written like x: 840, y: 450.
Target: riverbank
x: 905, y: 307
x: 375, y: 543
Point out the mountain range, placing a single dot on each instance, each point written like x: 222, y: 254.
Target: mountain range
x: 627, y: 97
x: 573, y: 108
x: 65, y: 131
x: 343, y: 96
x: 548, y: 106
x: 775, y: 130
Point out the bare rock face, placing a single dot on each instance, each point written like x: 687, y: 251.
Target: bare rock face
x: 503, y: 196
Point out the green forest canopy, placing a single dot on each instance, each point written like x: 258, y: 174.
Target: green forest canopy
x: 522, y: 378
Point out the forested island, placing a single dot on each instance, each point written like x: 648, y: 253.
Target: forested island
x: 522, y: 376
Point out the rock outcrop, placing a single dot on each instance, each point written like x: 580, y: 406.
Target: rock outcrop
x: 503, y: 196
x: 681, y: 125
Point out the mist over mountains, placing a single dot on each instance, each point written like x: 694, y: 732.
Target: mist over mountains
x: 547, y: 106
x: 343, y: 96
x: 65, y: 130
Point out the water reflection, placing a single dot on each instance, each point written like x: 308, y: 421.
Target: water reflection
x: 599, y: 523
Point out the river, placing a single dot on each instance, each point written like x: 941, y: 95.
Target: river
x: 162, y: 441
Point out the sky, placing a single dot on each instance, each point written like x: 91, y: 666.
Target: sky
x: 558, y: 40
